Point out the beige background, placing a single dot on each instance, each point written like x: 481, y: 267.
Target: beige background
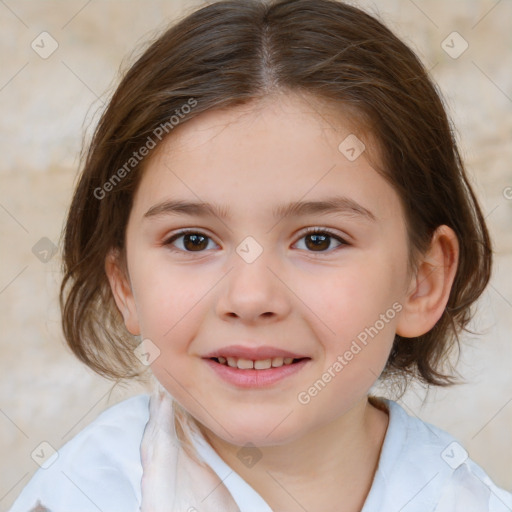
x: 46, y: 394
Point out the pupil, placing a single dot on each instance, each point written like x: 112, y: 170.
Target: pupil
x: 318, y: 240
x: 197, y: 243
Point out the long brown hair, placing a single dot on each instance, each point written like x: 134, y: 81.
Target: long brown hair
x: 234, y: 52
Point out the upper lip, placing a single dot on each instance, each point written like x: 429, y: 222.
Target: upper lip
x: 253, y: 353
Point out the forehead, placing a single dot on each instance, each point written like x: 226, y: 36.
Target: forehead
x: 308, y: 115
x: 256, y: 156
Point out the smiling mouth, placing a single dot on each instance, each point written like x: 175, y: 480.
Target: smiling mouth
x: 259, y: 364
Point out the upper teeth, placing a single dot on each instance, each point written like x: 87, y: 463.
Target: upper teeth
x: 260, y: 364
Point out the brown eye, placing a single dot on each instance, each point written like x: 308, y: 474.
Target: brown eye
x: 317, y: 240
x: 192, y: 241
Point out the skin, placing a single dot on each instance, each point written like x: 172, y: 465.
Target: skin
x: 293, y: 296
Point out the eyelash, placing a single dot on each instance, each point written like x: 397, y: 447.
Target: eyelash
x: 308, y: 231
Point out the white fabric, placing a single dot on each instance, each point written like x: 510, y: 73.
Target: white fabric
x: 101, y: 468
x: 172, y: 480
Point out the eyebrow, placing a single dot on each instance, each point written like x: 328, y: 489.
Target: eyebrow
x: 331, y: 205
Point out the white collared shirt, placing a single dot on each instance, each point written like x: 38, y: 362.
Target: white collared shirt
x: 421, y: 469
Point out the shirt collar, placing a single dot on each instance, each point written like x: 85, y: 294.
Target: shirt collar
x: 246, y: 498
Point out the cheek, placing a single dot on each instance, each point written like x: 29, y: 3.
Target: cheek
x: 168, y: 301
x: 169, y: 307
x: 352, y: 314
x: 346, y: 300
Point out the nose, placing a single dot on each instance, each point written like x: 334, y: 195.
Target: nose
x: 254, y: 292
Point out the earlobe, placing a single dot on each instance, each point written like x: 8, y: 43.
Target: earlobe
x: 430, y: 286
x: 121, y: 291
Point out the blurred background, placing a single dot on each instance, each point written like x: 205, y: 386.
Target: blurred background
x: 60, y: 62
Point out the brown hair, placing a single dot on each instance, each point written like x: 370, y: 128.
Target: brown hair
x: 233, y: 52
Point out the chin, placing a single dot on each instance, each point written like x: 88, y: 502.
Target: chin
x: 258, y: 432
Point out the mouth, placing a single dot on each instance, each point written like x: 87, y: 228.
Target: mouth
x: 256, y: 364
x: 255, y: 367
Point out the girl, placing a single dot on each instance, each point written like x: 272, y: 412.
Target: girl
x: 273, y: 216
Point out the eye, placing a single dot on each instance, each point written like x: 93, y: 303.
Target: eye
x: 319, y: 239
x: 193, y: 241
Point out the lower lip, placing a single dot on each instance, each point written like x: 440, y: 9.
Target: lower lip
x: 255, y: 378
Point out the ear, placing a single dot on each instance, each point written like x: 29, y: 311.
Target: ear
x: 120, y: 285
x: 430, y: 287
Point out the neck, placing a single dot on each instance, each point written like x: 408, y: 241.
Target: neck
x: 339, y: 458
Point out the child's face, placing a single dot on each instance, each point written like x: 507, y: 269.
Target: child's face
x: 312, y: 297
